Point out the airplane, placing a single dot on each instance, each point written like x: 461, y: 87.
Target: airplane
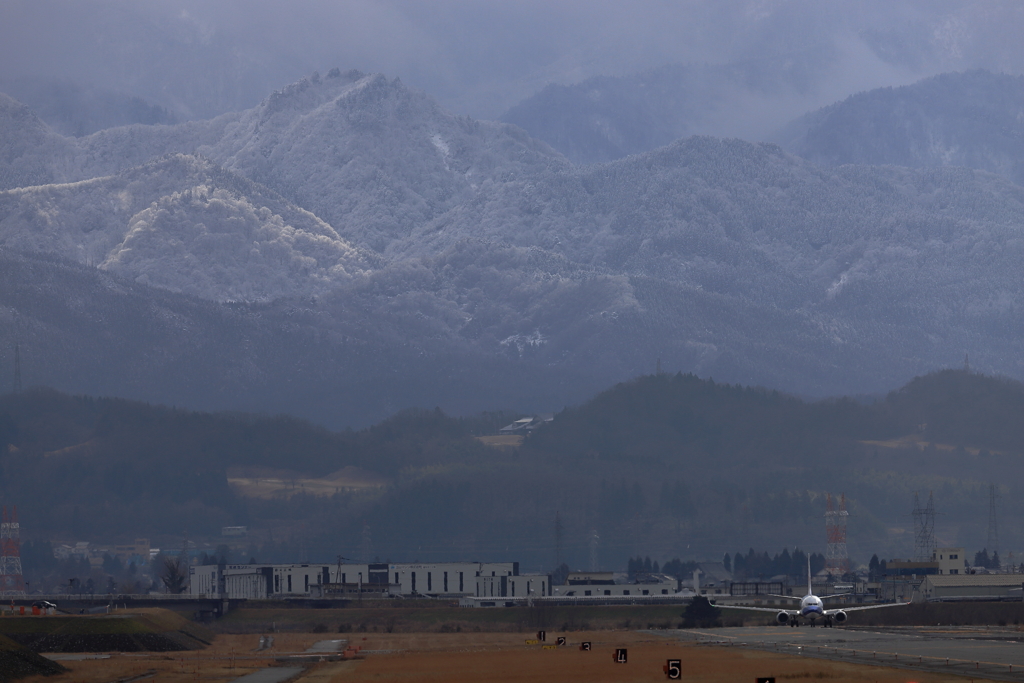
x: 812, y: 608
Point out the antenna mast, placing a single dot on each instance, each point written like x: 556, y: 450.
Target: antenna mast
x: 993, y: 522
x: 837, y: 561
x: 558, y: 539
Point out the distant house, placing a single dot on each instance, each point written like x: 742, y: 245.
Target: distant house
x: 526, y: 424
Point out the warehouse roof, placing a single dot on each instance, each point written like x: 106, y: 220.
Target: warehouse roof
x: 950, y: 580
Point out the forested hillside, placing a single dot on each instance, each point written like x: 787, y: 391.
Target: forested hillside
x: 971, y: 119
x: 670, y: 466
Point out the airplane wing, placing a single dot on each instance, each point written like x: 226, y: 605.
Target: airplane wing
x: 773, y: 610
x: 863, y: 607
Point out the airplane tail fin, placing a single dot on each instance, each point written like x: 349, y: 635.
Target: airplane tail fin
x: 809, y: 591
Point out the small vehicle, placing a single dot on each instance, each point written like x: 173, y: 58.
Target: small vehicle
x: 44, y: 604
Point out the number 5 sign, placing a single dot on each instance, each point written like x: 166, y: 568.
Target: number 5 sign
x: 674, y: 669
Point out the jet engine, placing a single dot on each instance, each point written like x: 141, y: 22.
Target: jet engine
x: 840, y: 617
x: 783, y: 617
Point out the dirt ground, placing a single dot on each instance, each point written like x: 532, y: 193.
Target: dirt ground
x: 479, y: 658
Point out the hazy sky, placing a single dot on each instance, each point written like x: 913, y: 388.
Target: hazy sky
x: 480, y: 57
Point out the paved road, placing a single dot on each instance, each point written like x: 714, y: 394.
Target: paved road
x: 974, y: 651
x: 327, y: 646
x: 274, y: 674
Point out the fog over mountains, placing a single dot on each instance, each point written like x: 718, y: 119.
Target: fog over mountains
x: 348, y: 247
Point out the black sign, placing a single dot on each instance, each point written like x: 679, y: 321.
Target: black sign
x: 561, y: 640
x: 585, y: 646
x: 620, y: 655
x: 674, y: 669
x: 766, y: 679
x: 542, y: 635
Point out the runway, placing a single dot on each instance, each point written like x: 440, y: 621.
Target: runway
x: 995, y: 653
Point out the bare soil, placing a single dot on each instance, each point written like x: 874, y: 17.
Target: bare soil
x: 482, y: 657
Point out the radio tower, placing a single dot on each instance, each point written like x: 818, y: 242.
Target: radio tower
x: 924, y: 529
x: 837, y: 561
x: 12, y: 583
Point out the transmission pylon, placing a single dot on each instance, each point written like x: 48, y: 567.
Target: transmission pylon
x: 594, y: 539
x: 12, y: 583
x: 993, y: 521
x: 924, y: 528
x: 837, y: 561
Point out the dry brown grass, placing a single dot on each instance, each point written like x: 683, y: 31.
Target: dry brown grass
x: 502, y: 440
x: 266, y: 483
x: 483, y: 657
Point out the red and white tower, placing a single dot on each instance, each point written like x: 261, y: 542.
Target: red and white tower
x: 12, y: 583
x: 837, y: 561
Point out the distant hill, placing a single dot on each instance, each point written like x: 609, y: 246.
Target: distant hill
x: 973, y: 119
x: 609, y: 117
x: 73, y: 109
x: 666, y: 465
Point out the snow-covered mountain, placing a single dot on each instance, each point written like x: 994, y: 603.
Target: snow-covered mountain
x: 360, y: 214
x: 184, y: 224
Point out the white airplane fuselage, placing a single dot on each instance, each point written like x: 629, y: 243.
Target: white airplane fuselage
x: 811, y: 607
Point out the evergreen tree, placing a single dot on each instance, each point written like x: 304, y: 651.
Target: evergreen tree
x: 700, y: 613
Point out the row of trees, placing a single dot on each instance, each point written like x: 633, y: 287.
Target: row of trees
x: 763, y: 566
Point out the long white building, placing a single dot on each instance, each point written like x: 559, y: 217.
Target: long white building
x: 440, y: 579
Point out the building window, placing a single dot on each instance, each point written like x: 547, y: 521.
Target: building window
x: 542, y: 588
x: 460, y: 582
x: 413, y: 582
x: 343, y: 577
x: 607, y: 592
x: 645, y: 592
x: 625, y: 592
x: 277, y: 583
x: 664, y: 591
x: 396, y: 579
x: 446, y: 582
x: 306, y: 586
x: 289, y: 583
x: 430, y: 583
x: 513, y: 589
x: 586, y: 592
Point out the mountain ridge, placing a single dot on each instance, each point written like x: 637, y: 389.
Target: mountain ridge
x: 470, y: 242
